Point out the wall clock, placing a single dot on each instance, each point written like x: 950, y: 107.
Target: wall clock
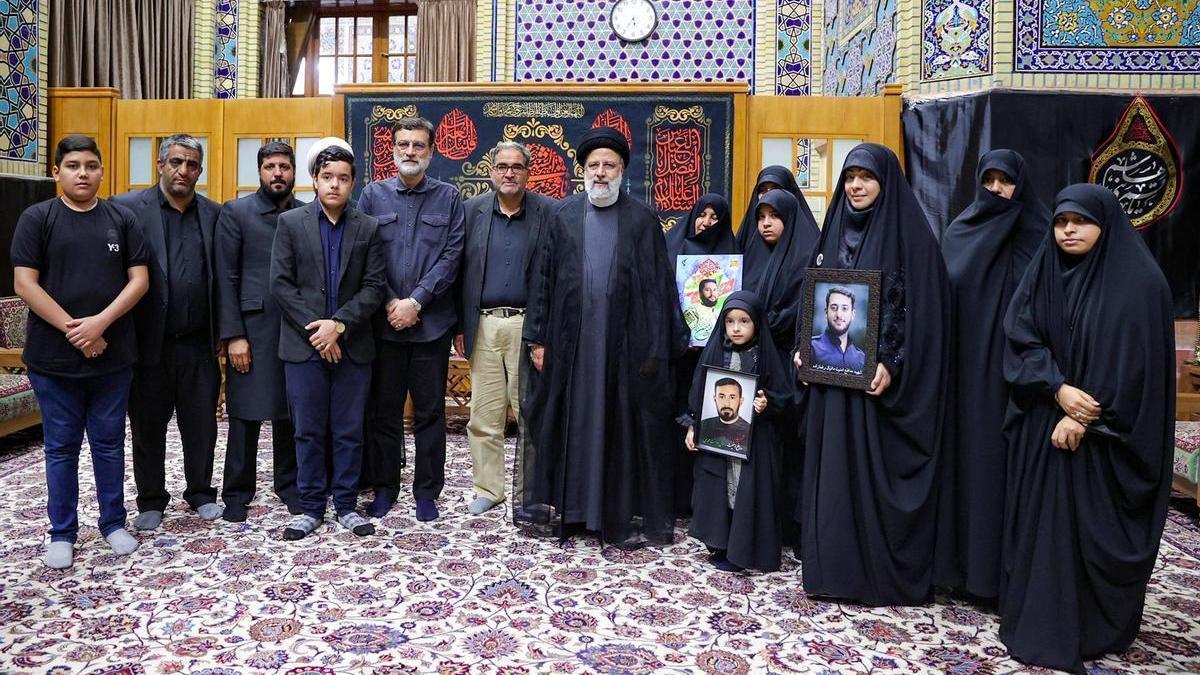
x: 633, y: 20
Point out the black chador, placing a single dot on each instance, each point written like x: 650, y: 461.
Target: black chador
x: 868, y: 505
x: 987, y: 249
x: 776, y: 272
x: 775, y: 177
x: 736, y: 505
x: 1082, y: 527
x: 604, y: 306
x: 683, y: 240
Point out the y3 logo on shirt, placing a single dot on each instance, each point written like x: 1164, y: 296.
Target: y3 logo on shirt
x: 114, y: 248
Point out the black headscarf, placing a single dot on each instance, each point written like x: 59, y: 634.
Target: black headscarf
x: 995, y: 236
x: 775, y: 273
x: 786, y: 181
x: 1102, y: 322
x: 987, y: 249
x: 718, y: 239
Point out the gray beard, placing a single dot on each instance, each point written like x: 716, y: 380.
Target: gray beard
x: 603, y: 196
x: 408, y: 171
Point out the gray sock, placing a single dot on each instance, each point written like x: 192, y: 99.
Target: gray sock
x: 122, y: 542
x: 147, y: 520
x: 482, y: 504
x: 210, y: 511
x: 59, y: 555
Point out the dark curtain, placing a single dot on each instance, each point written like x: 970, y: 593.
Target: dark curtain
x: 17, y: 193
x: 1057, y: 132
x: 144, y: 49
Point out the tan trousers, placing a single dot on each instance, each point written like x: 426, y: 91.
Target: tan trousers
x: 495, y: 364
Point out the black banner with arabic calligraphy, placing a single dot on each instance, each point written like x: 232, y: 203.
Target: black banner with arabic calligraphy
x: 1149, y: 155
x: 681, y: 143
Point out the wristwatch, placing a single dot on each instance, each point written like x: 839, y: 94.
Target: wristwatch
x: 339, y: 327
x: 415, y: 303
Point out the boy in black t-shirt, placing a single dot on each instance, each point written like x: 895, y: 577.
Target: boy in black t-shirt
x: 79, y: 262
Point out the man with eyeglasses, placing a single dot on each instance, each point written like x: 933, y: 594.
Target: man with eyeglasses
x: 421, y: 225
x: 177, y: 370
x: 503, y: 230
x: 603, y: 323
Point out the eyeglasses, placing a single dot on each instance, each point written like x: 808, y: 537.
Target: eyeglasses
x: 505, y: 168
x: 417, y: 146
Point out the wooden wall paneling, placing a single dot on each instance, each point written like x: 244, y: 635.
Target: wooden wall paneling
x: 267, y: 118
x: 158, y: 118
x: 87, y: 111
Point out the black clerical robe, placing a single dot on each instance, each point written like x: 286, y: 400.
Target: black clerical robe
x: 603, y: 305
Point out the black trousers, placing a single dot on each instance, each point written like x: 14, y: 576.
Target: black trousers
x: 186, y: 383
x: 420, y: 369
x: 241, y: 461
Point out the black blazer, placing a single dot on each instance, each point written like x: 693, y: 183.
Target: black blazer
x: 150, y: 314
x: 298, y: 281
x: 478, y: 213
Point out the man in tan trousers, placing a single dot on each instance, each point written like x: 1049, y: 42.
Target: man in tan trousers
x: 504, y: 230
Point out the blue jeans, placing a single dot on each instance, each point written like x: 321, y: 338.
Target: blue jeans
x: 328, y: 402
x: 69, y: 407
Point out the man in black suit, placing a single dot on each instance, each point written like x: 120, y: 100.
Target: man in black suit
x: 503, y: 231
x: 177, y: 369
x: 248, y: 321
x: 328, y: 274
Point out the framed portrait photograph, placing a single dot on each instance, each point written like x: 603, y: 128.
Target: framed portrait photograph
x: 841, y: 308
x: 727, y: 417
x: 703, y: 282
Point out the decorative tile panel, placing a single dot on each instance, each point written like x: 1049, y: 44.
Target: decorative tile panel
x: 793, y: 70
x: 225, y: 63
x: 571, y: 40
x: 20, y: 95
x: 1107, y: 36
x: 860, y: 53
x: 956, y: 39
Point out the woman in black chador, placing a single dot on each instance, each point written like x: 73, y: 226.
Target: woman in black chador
x: 774, y: 177
x: 1090, y: 357
x: 708, y: 230
x: 735, y: 504
x: 987, y: 249
x: 868, y: 505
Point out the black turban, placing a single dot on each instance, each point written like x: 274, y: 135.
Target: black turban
x: 602, y: 137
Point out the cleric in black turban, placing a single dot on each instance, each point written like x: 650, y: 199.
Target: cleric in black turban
x: 603, y: 325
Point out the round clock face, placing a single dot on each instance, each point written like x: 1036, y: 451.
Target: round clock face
x: 633, y: 20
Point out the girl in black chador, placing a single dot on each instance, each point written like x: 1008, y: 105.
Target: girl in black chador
x: 736, y: 505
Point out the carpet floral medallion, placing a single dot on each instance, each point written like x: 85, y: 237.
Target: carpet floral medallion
x: 469, y: 594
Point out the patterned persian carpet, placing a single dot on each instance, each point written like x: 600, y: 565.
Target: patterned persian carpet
x: 469, y: 594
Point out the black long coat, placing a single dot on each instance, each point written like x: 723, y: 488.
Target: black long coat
x: 245, y: 308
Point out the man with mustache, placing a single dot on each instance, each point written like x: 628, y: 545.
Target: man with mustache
x: 421, y: 225
x: 727, y: 430
x: 602, y: 325
x: 833, y: 347
x: 177, y: 370
x: 505, y: 227
x: 248, y: 322
x: 701, y: 318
